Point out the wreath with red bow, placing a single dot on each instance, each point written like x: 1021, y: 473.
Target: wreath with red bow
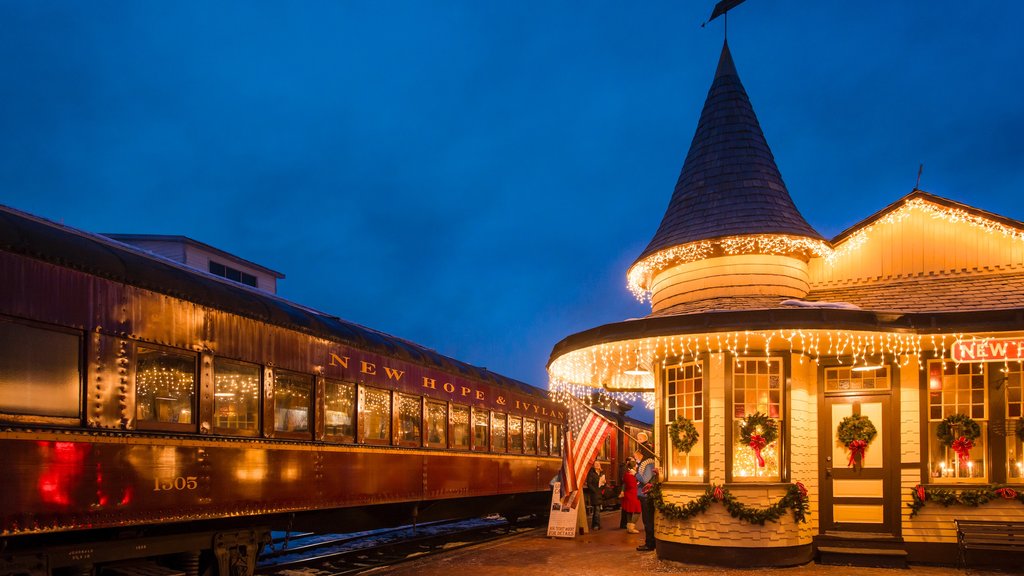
x: 959, y: 433
x: 856, y: 432
x: 757, y: 431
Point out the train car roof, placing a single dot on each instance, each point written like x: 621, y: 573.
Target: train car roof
x: 45, y: 240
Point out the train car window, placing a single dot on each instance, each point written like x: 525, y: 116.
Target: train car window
x: 436, y: 424
x: 40, y: 373
x: 165, y: 388
x: 481, y: 428
x: 529, y: 436
x: 460, y: 432
x: 543, y: 429
x: 515, y: 434
x: 410, y: 420
x: 498, y: 437
x: 236, y: 397
x: 556, y: 440
x: 293, y: 394
x: 374, y: 415
x: 340, y: 410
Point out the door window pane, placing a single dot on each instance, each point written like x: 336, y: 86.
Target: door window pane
x: 339, y: 410
x: 236, y: 396
x: 481, y: 427
x: 460, y: 427
x: 165, y: 385
x: 437, y: 424
x: 292, y: 399
x: 40, y: 371
x: 375, y: 412
x: 410, y: 418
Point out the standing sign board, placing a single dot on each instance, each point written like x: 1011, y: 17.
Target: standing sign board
x: 565, y: 513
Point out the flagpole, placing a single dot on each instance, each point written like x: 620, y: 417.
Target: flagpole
x: 616, y: 426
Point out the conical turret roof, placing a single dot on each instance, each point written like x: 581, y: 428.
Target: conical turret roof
x: 729, y: 184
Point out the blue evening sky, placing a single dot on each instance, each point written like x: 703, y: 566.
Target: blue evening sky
x: 477, y: 176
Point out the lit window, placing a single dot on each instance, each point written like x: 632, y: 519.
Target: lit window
x: 845, y: 378
x: 460, y: 427
x: 339, y: 410
x: 556, y: 440
x: 529, y: 436
x: 165, y: 386
x: 684, y: 398
x: 437, y: 424
x: 236, y: 397
x: 1014, y: 408
x: 956, y: 389
x: 757, y: 387
x: 40, y: 372
x: 542, y: 437
x: 292, y: 395
x: 498, y: 432
x: 374, y: 415
x: 410, y: 418
x: 515, y: 434
x: 481, y: 427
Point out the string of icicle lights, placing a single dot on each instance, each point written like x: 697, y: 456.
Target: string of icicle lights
x: 640, y: 276
x: 601, y: 366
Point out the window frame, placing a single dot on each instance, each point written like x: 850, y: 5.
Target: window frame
x: 225, y: 431
x: 66, y: 421
x: 474, y: 445
x: 425, y: 426
x: 362, y: 426
x: 154, y: 425
x: 784, y: 426
x: 272, y: 423
x: 396, y: 430
x: 987, y: 450
x: 342, y: 438
x: 699, y: 365
x: 452, y: 407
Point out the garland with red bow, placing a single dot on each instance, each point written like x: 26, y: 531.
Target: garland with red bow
x: 758, y: 430
x: 856, y: 432
x: 959, y: 433
x: 795, y: 500
x: 974, y: 498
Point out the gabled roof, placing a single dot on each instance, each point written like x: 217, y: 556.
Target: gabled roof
x: 916, y: 194
x: 729, y: 184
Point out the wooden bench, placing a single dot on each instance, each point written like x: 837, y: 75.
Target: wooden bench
x: 996, y: 535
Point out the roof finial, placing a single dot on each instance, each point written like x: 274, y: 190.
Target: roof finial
x: 721, y: 8
x: 920, y: 169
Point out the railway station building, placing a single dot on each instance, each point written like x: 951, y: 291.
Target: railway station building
x: 848, y: 399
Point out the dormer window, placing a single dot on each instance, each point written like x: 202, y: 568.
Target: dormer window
x: 232, y: 274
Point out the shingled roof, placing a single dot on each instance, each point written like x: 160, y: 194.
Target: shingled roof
x: 729, y: 184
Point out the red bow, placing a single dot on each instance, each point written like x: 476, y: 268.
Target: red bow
x: 718, y: 494
x: 803, y: 490
x: 1008, y: 493
x: 962, y: 446
x: 921, y: 495
x: 757, y: 442
x: 857, y: 448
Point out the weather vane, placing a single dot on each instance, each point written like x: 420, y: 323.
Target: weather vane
x: 721, y: 8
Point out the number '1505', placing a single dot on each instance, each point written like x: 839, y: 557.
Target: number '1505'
x: 179, y: 483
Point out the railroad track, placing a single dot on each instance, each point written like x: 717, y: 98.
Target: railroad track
x: 344, y: 554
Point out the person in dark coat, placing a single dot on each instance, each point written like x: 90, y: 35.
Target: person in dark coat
x: 594, y: 494
x: 646, y: 476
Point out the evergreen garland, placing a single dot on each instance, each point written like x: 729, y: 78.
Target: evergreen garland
x: 920, y: 495
x: 795, y: 500
x: 683, y: 434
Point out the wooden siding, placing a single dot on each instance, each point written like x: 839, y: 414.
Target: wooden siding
x: 918, y: 245
x: 743, y: 275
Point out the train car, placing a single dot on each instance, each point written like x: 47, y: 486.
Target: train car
x: 153, y: 413
x: 620, y: 444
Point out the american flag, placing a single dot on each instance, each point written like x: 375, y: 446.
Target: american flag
x: 581, y: 445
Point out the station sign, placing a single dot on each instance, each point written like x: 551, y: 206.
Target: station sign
x: 988, y: 350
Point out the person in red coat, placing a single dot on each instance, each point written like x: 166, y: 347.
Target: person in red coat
x: 630, y: 502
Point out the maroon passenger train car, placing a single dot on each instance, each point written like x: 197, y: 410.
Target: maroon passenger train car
x: 151, y: 411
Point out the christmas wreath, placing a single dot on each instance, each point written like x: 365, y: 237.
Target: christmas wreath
x: 683, y: 434
x: 959, y: 432
x: 856, y: 432
x: 757, y: 431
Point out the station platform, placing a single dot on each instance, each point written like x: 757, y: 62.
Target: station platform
x: 611, y: 552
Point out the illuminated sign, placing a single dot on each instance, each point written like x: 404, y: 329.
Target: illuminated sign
x: 988, y: 350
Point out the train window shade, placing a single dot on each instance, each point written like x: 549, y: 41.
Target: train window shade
x: 165, y: 388
x: 40, y: 374
x: 529, y: 436
x: 436, y: 424
x: 481, y: 429
x: 293, y: 394
x: 374, y: 415
x: 515, y: 434
x: 410, y: 420
x: 499, y: 438
x: 236, y: 397
x: 460, y: 430
x: 339, y: 410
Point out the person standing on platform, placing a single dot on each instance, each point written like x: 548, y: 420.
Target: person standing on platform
x: 594, y: 494
x: 646, y: 476
x: 630, y: 500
